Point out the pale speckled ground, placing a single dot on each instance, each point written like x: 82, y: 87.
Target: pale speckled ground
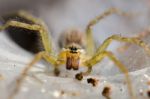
x: 77, y: 13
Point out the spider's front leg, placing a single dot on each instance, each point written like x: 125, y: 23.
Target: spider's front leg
x: 38, y: 26
x: 101, y: 53
x: 28, y: 16
x: 46, y: 40
x: 89, y: 36
x: 25, y: 71
x: 130, y: 40
x: 138, y: 36
x: 107, y: 42
x: 98, y: 58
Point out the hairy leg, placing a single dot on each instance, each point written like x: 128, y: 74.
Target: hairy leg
x: 101, y: 50
x: 89, y: 36
x: 132, y: 40
x: 25, y: 71
x: 28, y: 16
x: 37, y: 21
x: 98, y: 58
x: 138, y: 36
x: 40, y: 28
x: 107, y: 42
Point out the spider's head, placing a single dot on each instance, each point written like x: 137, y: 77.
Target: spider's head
x: 73, y: 41
x: 73, y: 56
x: 74, y: 49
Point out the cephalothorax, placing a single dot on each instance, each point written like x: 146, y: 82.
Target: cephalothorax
x: 76, y: 51
x: 73, y: 51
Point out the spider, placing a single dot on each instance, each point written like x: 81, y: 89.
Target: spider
x: 73, y: 54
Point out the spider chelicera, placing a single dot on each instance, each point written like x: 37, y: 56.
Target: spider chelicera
x: 73, y: 54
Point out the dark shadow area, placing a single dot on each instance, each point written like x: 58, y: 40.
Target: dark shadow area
x: 27, y: 39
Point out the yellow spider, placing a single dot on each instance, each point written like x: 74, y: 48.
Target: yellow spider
x: 73, y: 54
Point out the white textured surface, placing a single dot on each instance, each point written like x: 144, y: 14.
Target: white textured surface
x: 77, y: 13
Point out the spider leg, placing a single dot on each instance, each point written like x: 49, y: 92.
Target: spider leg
x: 99, y: 56
x: 36, y: 27
x: 138, y: 36
x: 25, y: 71
x: 28, y: 16
x: 100, y: 53
x: 132, y: 40
x: 89, y: 36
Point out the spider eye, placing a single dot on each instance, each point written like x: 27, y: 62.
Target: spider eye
x: 73, y: 49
